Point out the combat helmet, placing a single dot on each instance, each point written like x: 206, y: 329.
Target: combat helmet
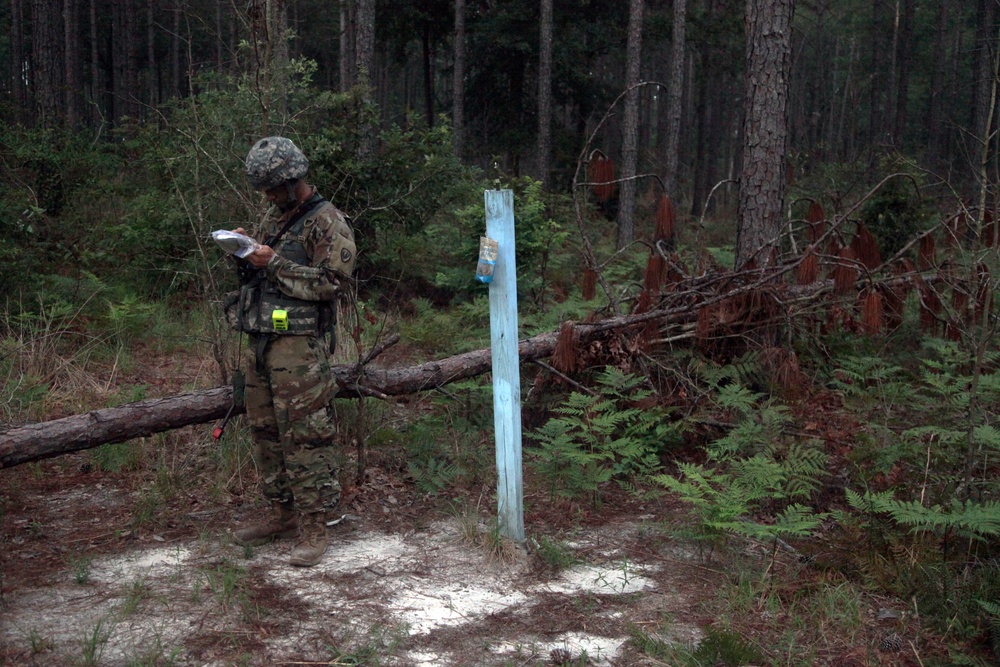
x: 273, y: 161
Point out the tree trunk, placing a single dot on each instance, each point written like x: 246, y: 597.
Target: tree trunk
x: 48, y: 74
x: 983, y: 85
x: 425, y: 50
x: 117, y: 57
x: 904, y: 61
x: 220, y: 40
x: 277, y: 27
x: 878, y: 68
x: 365, y: 68
x: 132, y: 89
x: 96, y: 89
x: 544, y: 147
x: 18, y: 66
x: 152, y: 89
x: 125, y: 60
x: 458, y: 102
x: 62, y: 436
x: 175, y: 52
x: 935, y: 110
x: 704, y: 156
x: 72, y: 60
x: 365, y: 42
x: 348, y: 50
x: 674, y: 98
x: 763, y: 176
x: 630, y: 132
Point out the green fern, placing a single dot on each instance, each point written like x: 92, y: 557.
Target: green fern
x: 992, y: 608
x: 975, y: 520
x: 804, y: 465
x: 725, y: 503
x: 754, y: 432
x: 596, y: 439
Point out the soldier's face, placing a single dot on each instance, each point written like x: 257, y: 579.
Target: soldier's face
x: 278, y: 196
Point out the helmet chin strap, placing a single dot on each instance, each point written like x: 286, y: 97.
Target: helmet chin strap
x: 293, y: 200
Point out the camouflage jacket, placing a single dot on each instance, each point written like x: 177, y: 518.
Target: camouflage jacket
x: 312, y: 258
x: 328, y: 243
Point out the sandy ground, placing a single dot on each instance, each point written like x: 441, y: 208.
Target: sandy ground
x: 402, y: 584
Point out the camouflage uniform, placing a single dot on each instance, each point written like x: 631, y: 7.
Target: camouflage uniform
x: 289, y: 384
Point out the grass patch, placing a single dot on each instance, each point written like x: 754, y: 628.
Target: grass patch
x: 555, y: 555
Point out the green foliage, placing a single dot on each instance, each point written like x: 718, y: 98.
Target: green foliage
x: 926, y: 507
x: 442, y: 332
x: 80, y: 565
x: 228, y: 582
x: 116, y: 457
x: 445, y: 447
x: 896, y: 212
x: 718, y: 647
x: 730, y: 503
x: 446, y: 250
x: 757, y: 478
x: 602, y: 437
x: 556, y: 555
x: 969, y: 519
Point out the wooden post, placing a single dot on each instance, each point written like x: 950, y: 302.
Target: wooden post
x: 506, y: 365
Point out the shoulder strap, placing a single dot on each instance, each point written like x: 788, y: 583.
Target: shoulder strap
x: 304, y: 209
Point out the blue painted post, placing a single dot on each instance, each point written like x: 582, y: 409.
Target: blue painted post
x: 506, y: 365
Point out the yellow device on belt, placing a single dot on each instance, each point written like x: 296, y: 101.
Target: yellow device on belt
x: 279, y: 319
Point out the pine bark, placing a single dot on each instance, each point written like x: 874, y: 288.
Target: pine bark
x: 96, y: 89
x: 544, y: 146
x: 348, y: 54
x: 675, y: 96
x: 365, y: 69
x: 62, y: 436
x: 152, y: 89
x: 48, y: 73
x: 365, y: 41
x: 765, y: 126
x: 175, y: 52
x: 630, y: 127
x: 458, y: 101
x: 33, y: 442
x: 72, y: 51
x: 904, y: 63
x: 935, y: 109
x: 277, y: 27
x: 18, y: 66
x: 132, y: 89
x: 425, y: 49
x: 986, y: 44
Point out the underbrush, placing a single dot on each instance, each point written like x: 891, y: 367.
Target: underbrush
x: 866, y: 496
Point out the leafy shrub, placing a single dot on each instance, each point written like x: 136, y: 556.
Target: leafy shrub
x: 601, y: 437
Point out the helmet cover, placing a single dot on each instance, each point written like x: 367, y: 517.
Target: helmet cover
x: 273, y: 161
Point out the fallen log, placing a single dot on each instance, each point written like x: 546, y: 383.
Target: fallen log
x: 33, y: 442
x: 43, y: 440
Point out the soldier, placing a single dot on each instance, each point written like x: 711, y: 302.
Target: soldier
x: 287, y: 305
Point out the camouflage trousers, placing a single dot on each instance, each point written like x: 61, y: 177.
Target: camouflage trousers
x: 291, y: 422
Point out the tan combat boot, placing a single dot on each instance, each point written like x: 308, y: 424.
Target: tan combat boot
x: 312, y: 541
x: 281, y: 526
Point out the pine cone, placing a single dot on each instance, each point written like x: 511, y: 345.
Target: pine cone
x: 560, y: 656
x: 891, y: 643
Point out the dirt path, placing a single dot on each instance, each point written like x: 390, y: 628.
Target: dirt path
x: 403, y: 584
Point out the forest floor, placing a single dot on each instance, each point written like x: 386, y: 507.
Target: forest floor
x: 136, y: 568
x: 402, y: 583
